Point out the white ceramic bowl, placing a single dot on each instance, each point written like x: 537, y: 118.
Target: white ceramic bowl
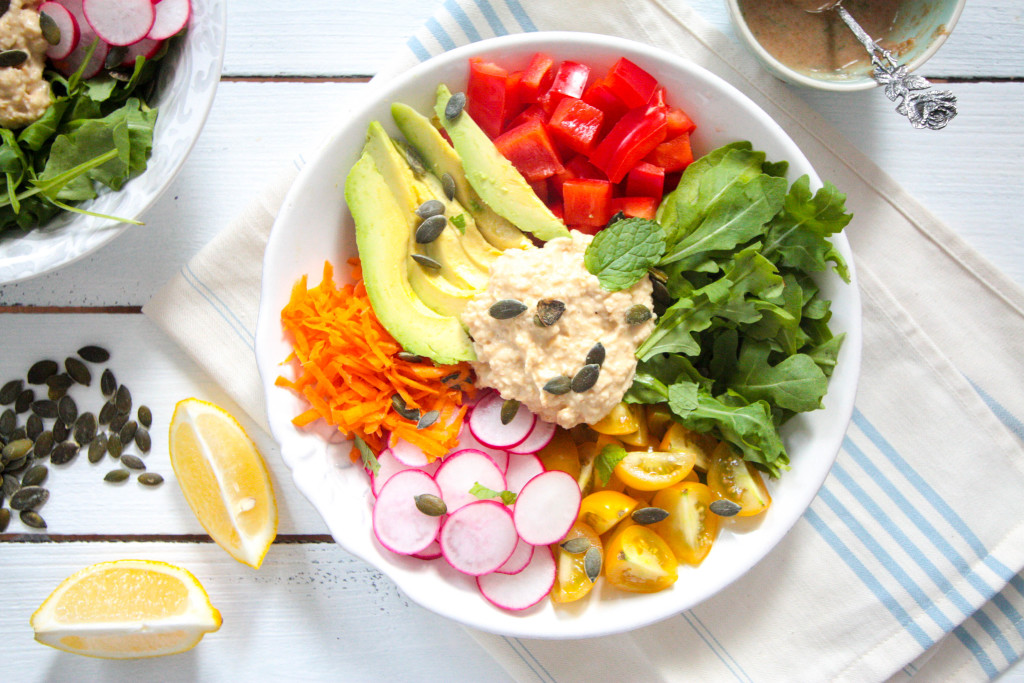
x: 185, y: 88
x: 315, y: 225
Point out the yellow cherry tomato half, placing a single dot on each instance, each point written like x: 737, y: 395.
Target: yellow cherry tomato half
x: 571, y: 580
x: 690, y: 528
x: 679, y: 439
x: 561, y: 453
x: 621, y: 420
x: 641, y: 438
x: 638, y: 560
x: 654, y: 470
x: 659, y: 419
x: 733, y: 478
x: 603, y: 509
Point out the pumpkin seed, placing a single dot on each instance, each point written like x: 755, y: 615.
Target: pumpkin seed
x: 430, y: 229
x: 115, y: 56
x: 558, y: 385
x: 40, y: 370
x: 506, y: 309
x: 49, y: 28
x: 10, y: 485
x: 426, y: 262
x: 107, y: 412
x: 549, y: 311
x: 586, y: 378
x: 142, y: 440
x: 133, y: 462
x: 650, y: 515
x: 398, y: 403
x: 576, y: 546
x: 638, y: 315
x: 123, y: 400
x: 43, y: 444
x: 64, y: 452
x: 428, y: 418
x: 725, y: 508
x: 430, y: 505
x: 431, y: 207
x: 108, y: 383
x: 13, y: 58
x: 24, y: 401
x: 33, y: 519
x: 35, y: 475
x: 115, y: 476
x: 119, y: 421
x: 127, y: 432
x: 9, y: 392
x: 16, y: 466
x: 29, y: 498
x: 596, y: 355
x: 408, y: 357
x: 5, y: 519
x: 114, y: 446
x: 592, y: 563
x: 412, y: 157
x: 150, y: 479
x: 33, y: 427
x: 448, y: 185
x: 78, y: 370
x: 660, y: 292
x: 98, y: 448
x: 8, y: 421
x: 616, y: 217
x: 45, y: 408
x: 60, y: 431
x: 146, y: 415
x: 67, y: 410
x: 453, y: 108
x: 18, y: 433
x: 94, y: 354
x: 509, y: 409
x: 15, y: 450
x: 85, y: 429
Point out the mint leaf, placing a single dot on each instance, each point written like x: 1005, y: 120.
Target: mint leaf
x: 623, y: 252
x: 366, y: 455
x: 799, y: 234
x: 484, y: 493
x: 610, y: 456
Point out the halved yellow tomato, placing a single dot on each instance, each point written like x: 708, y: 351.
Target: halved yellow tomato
x: 621, y: 420
x: 679, y: 439
x: 642, y: 436
x: 603, y: 509
x: 690, y: 528
x: 571, y: 580
x: 733, y: 478
x: 638, y: 560
x: 659, y: 418
x: 654, y: 470
x: 638, y: 495
x: 561, y: 454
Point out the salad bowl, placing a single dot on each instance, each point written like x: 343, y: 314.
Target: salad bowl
x: 314, y: 225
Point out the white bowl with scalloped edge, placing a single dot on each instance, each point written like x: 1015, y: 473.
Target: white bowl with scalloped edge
x: 314, y: 224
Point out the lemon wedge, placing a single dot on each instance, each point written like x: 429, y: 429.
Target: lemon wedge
x: 126, y: 609
x: 224, y: 479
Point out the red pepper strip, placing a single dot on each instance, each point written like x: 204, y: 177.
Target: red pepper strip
x: 674, y: 155
x: 633, y: 85
x: 600, y: 95
x: 577, y: 167
x: 537, y: 77
x: 570, y: 81
x: 486, y: 95
x: 635, y: 207
x: 513, y: 105
x: 679, y: 123
x: 633, y: 138
x: 587, y: 202
x: 533, y: 112
x: 530, y: 150
x: 645, y: 180
x: 576, y: 124
x: 540, y: 188
x: 658, y: 98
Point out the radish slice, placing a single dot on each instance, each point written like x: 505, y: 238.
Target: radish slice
x: 408, y: 454
x: 120, y: 22
x: 521, y: 557
x: 478, y: 538
x: 547, y: 507
x: 397, y: 522
x: 69, y: 32
x: 467, y: 440
x: 521, y: 469
x: 460, y: 471
x: 86, y: 38
x: 540, y: 437
x: 525, y: 589
x: 431, y: 552
x: 171, y: 17
x: 485, y: 423
x: 144, y: 48
x: 390, y: 466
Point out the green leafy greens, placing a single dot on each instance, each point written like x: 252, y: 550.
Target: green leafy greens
x: 484, y: 493
x: 610, y: 456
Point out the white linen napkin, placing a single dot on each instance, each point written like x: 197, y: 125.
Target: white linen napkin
x: 906, y: 564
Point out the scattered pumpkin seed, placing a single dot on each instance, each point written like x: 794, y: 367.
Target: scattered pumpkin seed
x: 85, y: 429
x: 10, y: 58
x: 150, y: 479
x: 398, y: 403
x: 509, y: 409
x: 78, y: 370
x: 64, y: 452
x: 596, y: 355
x: 43, y: 444
x: 402, y: 355
x: 430, y: 505
x: 98, y: 448
x: 94, y: 354
x: 67, y: 410
x: 506, y: 309
x: 115, y: 476
x: 9, y: 392
x: 35, y: 475
x: 114, y: 446
x: 638, y: 315
x: 40, y: 370
x: 115, y: 56
x: 16, y: 466
x: 123, y: 400
x: 127, y: 432
x: 16, y: 449
x: 29, y: 498
x: 60, y: 431
x: 10, y: 485
x: 33, y: 427
x: 107, y: 412
x: 108, y: 383
x: 428, y: 418
x: 586, y: 378
x: 24, y: 401
x: 451, y: 377
x: 146, y: 415
x: 412, y: 157
x: 426, y: 262
x: 576, y: 546
x: 558, y: 385
x: 49, y: 28
x: 18, y: 433
x: 431, y: 207
x: 430, y: 229
x: 592, y: 563
x: 8, y: 421
x: 45, y: 408
x: 133, y: 462
x: 549, y: 311
x: 453, y: 108
x: 142, y: 440
x: 448, y: 185
x: 649, y: 515
x: 725, y: 508
x: 5, y: 519
x: 33, y: 519
x: 660, y: 292
x: 119, y: 421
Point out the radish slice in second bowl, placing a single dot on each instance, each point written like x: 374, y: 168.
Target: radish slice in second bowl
x: 397, y: 523
x: 539, y: 437
x: 467, y: 440
x: 120, y: 22
x: 521, y: 469
x: 486, y: 425
x: 461, y: 471
x: 478, y: 538
x: 525, y: 589
x: 547, y: 507
x: 68, y: 27
x: 520, y: 558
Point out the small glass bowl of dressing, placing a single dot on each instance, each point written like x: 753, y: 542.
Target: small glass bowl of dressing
x: 817, y: 50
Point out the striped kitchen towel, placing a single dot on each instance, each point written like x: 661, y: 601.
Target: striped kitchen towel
x: 906, y: 564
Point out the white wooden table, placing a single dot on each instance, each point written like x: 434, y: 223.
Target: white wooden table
x: 312, y: 612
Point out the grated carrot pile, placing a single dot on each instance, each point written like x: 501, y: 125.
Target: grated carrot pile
x: 348, y: 370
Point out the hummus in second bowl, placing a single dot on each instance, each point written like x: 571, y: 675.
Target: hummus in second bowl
x: 519, y: 355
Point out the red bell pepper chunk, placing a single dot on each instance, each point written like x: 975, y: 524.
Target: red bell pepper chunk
x: 530, y: 150
x: 570, y: 81
x: 540, y: 188
x: 645, y: 180
x: 587, y: 202
x: 658, y: 98
x: 633, y: 85
x: 679, y: 123
x: 487, y: 95
x: 635, y: 207
x: 673, y: 155
x: 633, y: 138
x: 600, y: 95
x: 513, y: 105
x: 577, y: 167
x: 558, y: 210
x: 533, y: 112
x: 576, y: 124
x: 537, y: 77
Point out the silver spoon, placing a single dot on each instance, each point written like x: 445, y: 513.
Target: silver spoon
x: 926, y: 108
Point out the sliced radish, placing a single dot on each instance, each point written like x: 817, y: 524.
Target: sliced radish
x: 478, y: 538
x: 147, y: 47
x: 540, y: 437
x: 408, y: 454
x: 69, y: 33
x: 520, y: 558
x: 431, y: 552
x: 467, y: 440
x: 397, y: 522
x: 547, y: 507
x: 171, y: 17
x: 485, y: 423
x: 120, y: 22
x: 521, y: 469
x: 86, y: 38
x: 390, y: 466
x: 460, y: 471
x: 525, y: 589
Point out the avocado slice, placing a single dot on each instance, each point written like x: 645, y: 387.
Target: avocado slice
x: 382, y: 235
x: 476, y: 247
x: 441, y: 158
x: 494, y: 177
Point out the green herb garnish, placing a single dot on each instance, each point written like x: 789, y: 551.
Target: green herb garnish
x: 484, y: 493
x: 610, y: 456
x: 367, y: 456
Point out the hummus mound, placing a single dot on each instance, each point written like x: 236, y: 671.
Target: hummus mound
x: 24, y: 93
x: 518, y: 357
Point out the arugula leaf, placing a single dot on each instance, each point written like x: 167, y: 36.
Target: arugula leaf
x: 622, y: 253
x: 796, y: 383
x: 366, y: 455
x: 484, y: 493
x: 610, y: 456
x: 799, y: 234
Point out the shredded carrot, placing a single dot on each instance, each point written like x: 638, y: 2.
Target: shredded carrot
x: 347, y: 368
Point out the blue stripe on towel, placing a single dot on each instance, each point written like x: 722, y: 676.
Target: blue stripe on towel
x: 512, y: 647
x: 534, y: 658
x: 220, y: 308
x: 700, y: 634
x: 971, y: 644
x: 463, y: 20
x: 521, y: 16
x: 492, y: 17
x: 440, y: 35
x: 416, y: 47
x: 719, y: 644
x: 1012, y: 422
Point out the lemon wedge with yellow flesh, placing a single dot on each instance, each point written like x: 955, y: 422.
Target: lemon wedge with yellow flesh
x: 224, y: 479
x: 126, y: 609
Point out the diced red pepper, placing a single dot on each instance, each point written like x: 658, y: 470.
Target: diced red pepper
x: 645, y: 180
x: 633, y: 85
x: 529, y: 148
x: 540, y: 188
x: 487, y: 95
x: 513, y: 105
x: 577, y: 167
x: 533, y: 112
x: 633, y: 138
x: 600, y: 95
x: 537, y: 77
x: 673, y: 155
x: 658, y: 98
x: 570, y: 81
x: 576, y: 124
x: 558, y: 210
x: 679, y: 123
x: 587, y: 201
x: 635, y: 207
